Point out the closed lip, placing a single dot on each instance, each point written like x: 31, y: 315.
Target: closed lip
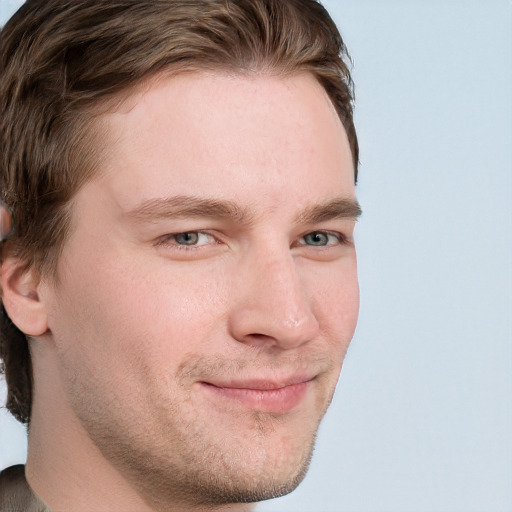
x: 261, y: 384
x: 265, y: 395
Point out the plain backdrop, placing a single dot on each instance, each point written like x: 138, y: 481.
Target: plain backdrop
x: 422, y: 418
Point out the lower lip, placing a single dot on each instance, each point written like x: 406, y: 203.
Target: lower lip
x: 279, y: 400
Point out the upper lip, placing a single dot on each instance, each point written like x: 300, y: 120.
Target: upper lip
x: 259, y: 383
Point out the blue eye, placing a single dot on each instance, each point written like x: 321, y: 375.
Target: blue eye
x: 317, y: 238
x: 188, y: 238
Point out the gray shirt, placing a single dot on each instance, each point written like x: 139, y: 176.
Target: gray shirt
x: 15, y: 493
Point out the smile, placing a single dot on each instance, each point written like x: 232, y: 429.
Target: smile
x: 262, y: 396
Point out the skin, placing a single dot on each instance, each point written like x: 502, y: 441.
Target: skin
x: 143, y: 343
x: 6, y: 221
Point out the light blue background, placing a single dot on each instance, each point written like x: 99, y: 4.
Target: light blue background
x: 422, y: 420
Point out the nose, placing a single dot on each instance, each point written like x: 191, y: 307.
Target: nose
x: 272, y: 305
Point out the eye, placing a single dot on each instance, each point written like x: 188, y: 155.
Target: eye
x: 187, y: 239
x: 322, y: 238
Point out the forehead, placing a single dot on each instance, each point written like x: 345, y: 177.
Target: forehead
x: 260, y: 138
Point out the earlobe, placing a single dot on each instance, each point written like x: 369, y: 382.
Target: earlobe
x: 21, y: 299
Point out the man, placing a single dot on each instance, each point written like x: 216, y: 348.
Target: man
x: 180, y: 288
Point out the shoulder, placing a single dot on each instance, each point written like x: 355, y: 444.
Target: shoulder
x: 15, y: 493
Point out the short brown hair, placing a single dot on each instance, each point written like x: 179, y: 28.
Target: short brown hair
x: 62, y: 59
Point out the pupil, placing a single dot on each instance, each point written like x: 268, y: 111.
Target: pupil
x: 187, y: 238
x: 317, y: 238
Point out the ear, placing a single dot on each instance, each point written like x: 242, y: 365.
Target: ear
x: 21, y: 299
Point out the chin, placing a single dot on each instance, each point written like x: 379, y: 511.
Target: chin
x: 222, y: 489
x: 222, y: 479
x: 252, y: 492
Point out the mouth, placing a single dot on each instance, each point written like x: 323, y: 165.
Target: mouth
x: 262, y: 395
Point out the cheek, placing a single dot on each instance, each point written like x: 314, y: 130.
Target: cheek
x: 335, y: 299
x: 128, y: 312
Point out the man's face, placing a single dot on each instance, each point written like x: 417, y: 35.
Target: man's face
x: 208, y: 292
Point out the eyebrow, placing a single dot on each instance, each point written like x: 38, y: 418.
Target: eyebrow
x: 188, y: 206
x: 336, y: 209
x: 157, y: 209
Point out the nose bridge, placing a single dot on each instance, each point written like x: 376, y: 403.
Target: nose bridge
x: 275, y: 304
x: 281, y: 279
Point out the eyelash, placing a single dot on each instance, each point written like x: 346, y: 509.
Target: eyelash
x: 170, y: 240
x: 340, y: 237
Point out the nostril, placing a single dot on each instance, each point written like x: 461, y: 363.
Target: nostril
x: 258, y: 340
